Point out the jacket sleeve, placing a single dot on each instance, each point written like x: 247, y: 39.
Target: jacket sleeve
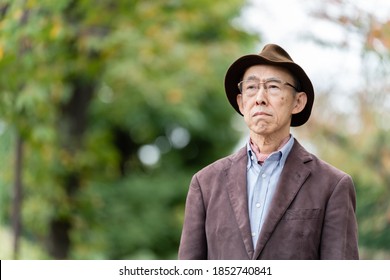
x: 193, y: 244
x: 340, y: 233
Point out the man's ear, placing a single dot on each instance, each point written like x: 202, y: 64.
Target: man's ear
x: 240, y: 103
x: 300, y: 102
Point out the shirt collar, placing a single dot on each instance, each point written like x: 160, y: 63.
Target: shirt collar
x: 283, y: 153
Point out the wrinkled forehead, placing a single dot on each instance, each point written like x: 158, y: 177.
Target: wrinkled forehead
x: 264, y: 72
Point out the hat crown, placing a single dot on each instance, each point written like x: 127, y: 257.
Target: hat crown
x: 275, y: 53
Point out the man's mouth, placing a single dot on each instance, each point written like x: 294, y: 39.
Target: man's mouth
x: 261, y: 113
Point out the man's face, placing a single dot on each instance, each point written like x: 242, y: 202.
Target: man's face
x: 268, y: 112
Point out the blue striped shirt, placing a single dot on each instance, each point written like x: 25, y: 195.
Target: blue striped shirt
x: 261, y: 184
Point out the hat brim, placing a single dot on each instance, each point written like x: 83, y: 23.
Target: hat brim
x: 238, y: 68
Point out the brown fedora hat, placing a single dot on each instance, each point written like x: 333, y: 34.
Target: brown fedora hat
x: 271, y: 55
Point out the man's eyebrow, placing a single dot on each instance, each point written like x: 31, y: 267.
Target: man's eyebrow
x: 274, y: 79
x: 252, y: 77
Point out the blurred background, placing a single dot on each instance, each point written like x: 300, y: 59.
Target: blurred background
x: 107, y: 109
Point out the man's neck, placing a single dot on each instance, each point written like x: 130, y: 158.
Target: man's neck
x: 270, y: 143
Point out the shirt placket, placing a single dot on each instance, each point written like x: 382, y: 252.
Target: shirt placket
x: 259, y: 198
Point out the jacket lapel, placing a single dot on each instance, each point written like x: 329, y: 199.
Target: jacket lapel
x: 237, y: 191
x: 291, y: 180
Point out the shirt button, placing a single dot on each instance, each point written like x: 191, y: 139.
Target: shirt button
x: 264, y: 175
x: 253, y: 234
x: 258, y: 205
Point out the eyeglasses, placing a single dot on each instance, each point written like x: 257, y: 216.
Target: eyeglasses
x: 272, y: 86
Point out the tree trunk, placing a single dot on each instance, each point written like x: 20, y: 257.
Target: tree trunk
x: 17, y: 197
x: 73, y: 123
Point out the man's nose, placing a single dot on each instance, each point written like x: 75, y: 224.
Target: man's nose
x: 261, y: 98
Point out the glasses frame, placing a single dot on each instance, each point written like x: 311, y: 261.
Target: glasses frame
x: 266, y: 81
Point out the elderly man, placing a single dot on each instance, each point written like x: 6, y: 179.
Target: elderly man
x: 272, y: 199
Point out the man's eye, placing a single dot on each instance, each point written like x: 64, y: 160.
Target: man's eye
x: 251, y: 86
x: 273, y: 86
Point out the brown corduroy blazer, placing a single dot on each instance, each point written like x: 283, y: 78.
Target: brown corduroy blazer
x: 312, y: 215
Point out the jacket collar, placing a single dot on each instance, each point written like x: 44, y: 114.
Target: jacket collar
x: 237, y: 191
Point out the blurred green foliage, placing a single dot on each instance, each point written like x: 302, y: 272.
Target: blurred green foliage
x: 87, y: 85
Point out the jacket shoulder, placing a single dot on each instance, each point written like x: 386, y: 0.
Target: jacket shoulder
x: 315, y: 162
x: 219, y: 166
